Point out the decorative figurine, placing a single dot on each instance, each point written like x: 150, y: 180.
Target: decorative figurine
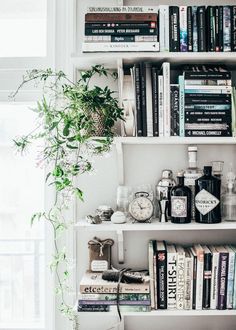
x: 104, y: 212
x: 118, y: 217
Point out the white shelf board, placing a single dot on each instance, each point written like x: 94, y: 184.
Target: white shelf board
x: 154, y: 226
x: 85, y: 60
x: 175, y: 140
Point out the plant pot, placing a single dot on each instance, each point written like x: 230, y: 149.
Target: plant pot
x: 99, y: 128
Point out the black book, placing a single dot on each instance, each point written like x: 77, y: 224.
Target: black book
x: 143, y: 97
x: 118, y: 24
x: 174, y: 110
x: 119, y: 31
x: 200, y: 75
x: 161, y: 257
x: 221, y: 30
x: 201, y: 19
x: 207, y: 100
x: 190, y: 28
x: 194, y: 288
x: 93, y: 308
x: 207, y: 133
x: 137, y: 83
x: 155, y: 110
x: 233, y: 29
x: 217, y: 36
x: 211, y: 40
x: 209, y: 96
x: 174, y: 34
x: 222, y: 277
x: 206, y: 299
x: 196, y: 119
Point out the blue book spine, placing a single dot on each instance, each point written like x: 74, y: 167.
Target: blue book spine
x: 183, y: 28
x: 230, y: 285
x: 208, y: 107
x: 181, y: 106
x: 195, y: 31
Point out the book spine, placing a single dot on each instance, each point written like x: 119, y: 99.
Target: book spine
x: 133, y: 25
x: 194, y: 286
x: 195, y: 28
x: 93, y: 308
x: 181, y: 106
x: 120, y: 31
x: 207, y: 101
x: 217, y: 36
x: 210, y: 96
x: 138, y: 100
x: 201, y: 29
x: 188, y: 75
x: 211, y: 28
x: 174, y: 101
x: 188, y: 296
x: 230, y: 284
x: 209, y: 82
x: 120, y: 46
x: 233, y: 29
x: 214, y: 282
x: 180, y: 280
x: 149, y: 100
x: 166, y: 99
x: 105, y: 297
x: 162, y: 279
x: 207, y: 126
x: 209, y: 133
x: 227, y: 29
x: 123, y: 9
x: 183, y: 28
x: 221, y: 24
x: 222, y: 280
x: 155, y: 102
x: 190, y: 28
x: 199, y: 288
x: 120, y: 17
x: 161, y: 105
x: 151, y: 272
x: 174, y: 28
x: 114, y: 302
x: 207, y: 281
x: 234, y: 295
x: 164, y: 28
x: 205, y: 118
x: 199, y: 89
x: 171, y: 280
x: 155, y: 281
x: 119, y: 38
x: 211, y: 107
x: 143, y: 97
x: 111, y: 289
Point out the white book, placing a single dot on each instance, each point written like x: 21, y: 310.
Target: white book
x: 151, y: 272
x: 123, y: 9
x: 166, y: 97
x: 222, y: 89
x: 120, y: 47
x: 200, y: 269
x: 155, y: 279
x: 183, y: 28
x: 164, y: 28
x: 230, y: 284
x: 171, y: 276
x: 214, y: 277
x: 161, y: 105
x: 149, y: 100
x: 188, y: 277
x: 180, y: 277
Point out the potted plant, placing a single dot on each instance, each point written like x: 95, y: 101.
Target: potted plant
x: 71, y: 117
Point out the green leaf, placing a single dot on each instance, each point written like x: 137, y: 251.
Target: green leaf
x: 66, y: 130
x: 79, y: 193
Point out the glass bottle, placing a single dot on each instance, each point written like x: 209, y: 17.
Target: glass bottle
x: 164, y: 187
x: 181, y: 197
x: 207, y: 199
x: 191, y: 174
x: 229, y: 199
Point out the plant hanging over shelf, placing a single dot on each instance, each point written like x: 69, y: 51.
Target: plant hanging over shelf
x: 70, y: 117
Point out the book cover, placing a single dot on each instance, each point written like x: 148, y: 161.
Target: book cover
x: 120, y: 17
x: 195, y: 28
x: 166, y: 97
x: 230, y: 284
x: 164, y: 27
x: 155, y: 110
x: 149, y: 101
x: 181, y: 106
x: 174, y: 106
x: 200, y: 270
x: 194, y: 284
x: 174, y: 28
x: 207, y: 276
x: 139, y: 120
x: 120, y: 31
x: 161, y: 105
x: 190, y: 28
x: 92, y: 282
x: 108, y: 297
x: 151, y: 271
x: 123, y: 9
x: 227, y: 29
x: 120, y: 47
x: 201, y: 22
x: 171, y: 276
x: 114, y: 302
x: 143, y: 97
x: 161, y: 256
x: 180, y: 277
x: 188, y: 276
x: 222, y: 277
x: 183, y: 28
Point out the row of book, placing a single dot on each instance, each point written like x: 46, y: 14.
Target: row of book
x: 198, y: 277
x: 99, y: 295
x: 197, y: 100
x: 160, y: 28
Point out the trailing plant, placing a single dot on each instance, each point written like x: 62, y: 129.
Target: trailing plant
x: 68, y: 117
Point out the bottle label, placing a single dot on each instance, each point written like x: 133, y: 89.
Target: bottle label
x: 190, y: 178
x: 205, y: 202
x: 179, y: 206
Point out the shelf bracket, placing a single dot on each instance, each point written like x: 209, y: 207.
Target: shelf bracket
x: 120, y: 241
x: 120, y: 163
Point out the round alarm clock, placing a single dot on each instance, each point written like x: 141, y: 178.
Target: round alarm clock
x: 141, y: 207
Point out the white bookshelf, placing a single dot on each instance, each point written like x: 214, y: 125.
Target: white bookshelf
x: 137, y: 160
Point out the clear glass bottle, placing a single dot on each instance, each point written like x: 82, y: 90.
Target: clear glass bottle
x: 229, y: 199
x: 192, y: 173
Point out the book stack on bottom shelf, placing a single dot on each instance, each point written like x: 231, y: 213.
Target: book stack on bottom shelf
x: 98, y: 295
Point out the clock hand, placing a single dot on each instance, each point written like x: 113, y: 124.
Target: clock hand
x: 140, y: 206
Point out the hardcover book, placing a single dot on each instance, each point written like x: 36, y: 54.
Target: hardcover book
x: 180, y: 277
x: 188, y: 289
x: 161, y: 255
x: 183, y: 28
x: 171, y: 276
x: 200, y: 270
x: 207, y: 276
x: 222, y: 277
x: 230, y: 284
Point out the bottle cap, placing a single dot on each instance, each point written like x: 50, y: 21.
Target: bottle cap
x: 192, y: 148
x: 167, y: 174
x: 180, y: 174
x: 192, y: 156
x: 207, y: 169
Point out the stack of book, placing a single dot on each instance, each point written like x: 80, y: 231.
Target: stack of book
x: 197, y: 277
x: 121, y: 29
x: 208, y: 110
x: 98, y: 295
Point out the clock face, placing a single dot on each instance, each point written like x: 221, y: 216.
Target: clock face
x: 141, y: 209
